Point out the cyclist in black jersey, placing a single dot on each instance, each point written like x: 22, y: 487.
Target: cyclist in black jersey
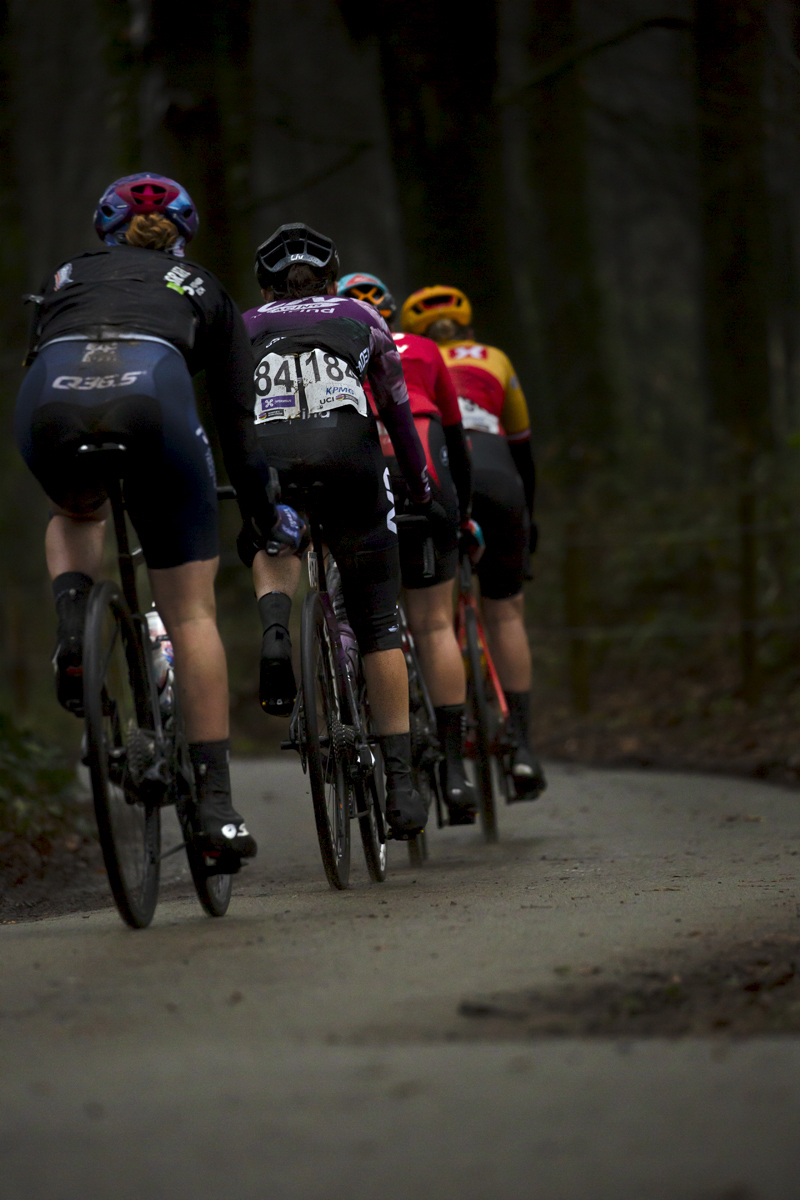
x: 313, y: 350
x: 119, y: 334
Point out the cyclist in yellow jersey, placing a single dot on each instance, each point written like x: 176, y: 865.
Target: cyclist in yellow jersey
x: 495, y: 415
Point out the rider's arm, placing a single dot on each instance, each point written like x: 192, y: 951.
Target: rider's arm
x: 229, y: 376
x: 458, y: 454
x: 516, y: 424
x: 385, y: 374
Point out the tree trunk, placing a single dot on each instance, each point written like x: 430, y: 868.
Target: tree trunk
x: 730, y: 37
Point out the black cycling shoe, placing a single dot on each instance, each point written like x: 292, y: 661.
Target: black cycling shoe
x: 221, y: 830
x: 68, y: 667
x: 277, y: 686
x: 71, y: 591
x: 527, y: 774
x: 406, y: 814
x: 459, y: 794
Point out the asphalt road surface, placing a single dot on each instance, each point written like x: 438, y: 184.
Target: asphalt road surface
x: 309, y: 1046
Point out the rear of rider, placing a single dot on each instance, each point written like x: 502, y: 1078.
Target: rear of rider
x: 119, y: 334
x: 429, y: 602
x: 495, y: 415
x: 313, y: 351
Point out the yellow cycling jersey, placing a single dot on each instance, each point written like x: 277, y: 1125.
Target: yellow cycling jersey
x: 489, y: 394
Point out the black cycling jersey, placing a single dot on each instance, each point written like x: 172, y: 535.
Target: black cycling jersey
x: 121, y: 290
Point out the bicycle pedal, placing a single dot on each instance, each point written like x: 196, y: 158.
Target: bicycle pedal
x: 222, y: 864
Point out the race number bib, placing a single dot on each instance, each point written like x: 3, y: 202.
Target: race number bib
x: 477, y: 418
x: 307, y: 384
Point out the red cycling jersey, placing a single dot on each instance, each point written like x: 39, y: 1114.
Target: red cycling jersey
x: 430, y: 384
x: 431, y: 392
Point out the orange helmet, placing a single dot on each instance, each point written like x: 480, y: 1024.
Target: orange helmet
x: 429, y: 304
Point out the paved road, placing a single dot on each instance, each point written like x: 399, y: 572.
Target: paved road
x: 302, y: 1049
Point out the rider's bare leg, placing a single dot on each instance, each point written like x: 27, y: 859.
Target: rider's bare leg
x: 509, y: 648
x: 184, y: 596
x: 508, y: 642
x: 75, y: 542
x: 430, y: 616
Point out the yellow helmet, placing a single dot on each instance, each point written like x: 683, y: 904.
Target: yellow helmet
x: 429, y: 304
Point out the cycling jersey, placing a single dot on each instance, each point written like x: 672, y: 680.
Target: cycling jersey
x: 433, y: 397
x: 120, y: 292
x: 430, y: 387
x: 313, y: 356
x: 489, y: 394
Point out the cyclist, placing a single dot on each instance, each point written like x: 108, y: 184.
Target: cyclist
x: 119, y: 333
x: 495, y: 415
x: 313, y: 349
x: 429, y: 602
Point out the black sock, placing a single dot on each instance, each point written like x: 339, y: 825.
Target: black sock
x: 274, y: 609
x: 450, y: 729
x: 211, y: 762
x: 396, y: 752
x: 519, y: 704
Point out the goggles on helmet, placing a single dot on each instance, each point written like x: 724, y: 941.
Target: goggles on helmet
x: 368, y: 288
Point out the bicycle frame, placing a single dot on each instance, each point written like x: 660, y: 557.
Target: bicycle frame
x: 363, y: 760
x: 466, y: 599
x: 128, y: 561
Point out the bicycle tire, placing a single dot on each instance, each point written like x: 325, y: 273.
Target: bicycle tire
x: 484, y: 730
x: 375, y: 850
x: 331, y: 791
x: 118, y: 720
x: 213, y: 888
x: 423, y: 760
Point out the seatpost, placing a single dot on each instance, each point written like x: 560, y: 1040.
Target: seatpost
x: 127, y: 571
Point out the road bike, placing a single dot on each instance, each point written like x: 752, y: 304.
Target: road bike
x: 330, y: 726
x: 488, y: 746
x: 135, y: 745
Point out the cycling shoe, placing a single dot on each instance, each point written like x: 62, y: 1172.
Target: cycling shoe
x: 527, y: 774
x: 406, y: 814
x: 459, y: 794
x: 68, y: 667
x: 277, y: 685
x: 71, y: 593
x: 220, y: 829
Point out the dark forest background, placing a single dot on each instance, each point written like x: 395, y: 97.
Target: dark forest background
x: 614, y: 185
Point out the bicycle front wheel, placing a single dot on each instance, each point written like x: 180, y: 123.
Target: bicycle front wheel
x: 485, y: 728
x: 331, y: 790
x: 120, y: 747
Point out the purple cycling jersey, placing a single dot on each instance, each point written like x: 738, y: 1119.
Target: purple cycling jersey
x: 335, y: 322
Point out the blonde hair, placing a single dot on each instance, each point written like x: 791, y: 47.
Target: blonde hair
x: 151, y: 230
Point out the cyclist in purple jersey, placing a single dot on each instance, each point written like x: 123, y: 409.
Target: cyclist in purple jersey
x: 313, y: 350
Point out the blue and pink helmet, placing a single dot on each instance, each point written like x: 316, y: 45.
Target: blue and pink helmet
x: 370, y: 288
x: 145, y: 193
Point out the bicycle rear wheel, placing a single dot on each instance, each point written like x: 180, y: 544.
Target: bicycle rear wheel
x: 331, y: 790
x: 485, y: 723
x: 120, y: 747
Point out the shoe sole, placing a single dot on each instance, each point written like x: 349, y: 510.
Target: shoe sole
x: 277, y: 688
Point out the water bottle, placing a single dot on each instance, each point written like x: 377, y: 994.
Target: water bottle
x: 349, y: 643
x: 163, y: 660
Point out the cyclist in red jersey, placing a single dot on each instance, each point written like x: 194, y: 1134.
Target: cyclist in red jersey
x: 495, y: 415
x: 429, y: 602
